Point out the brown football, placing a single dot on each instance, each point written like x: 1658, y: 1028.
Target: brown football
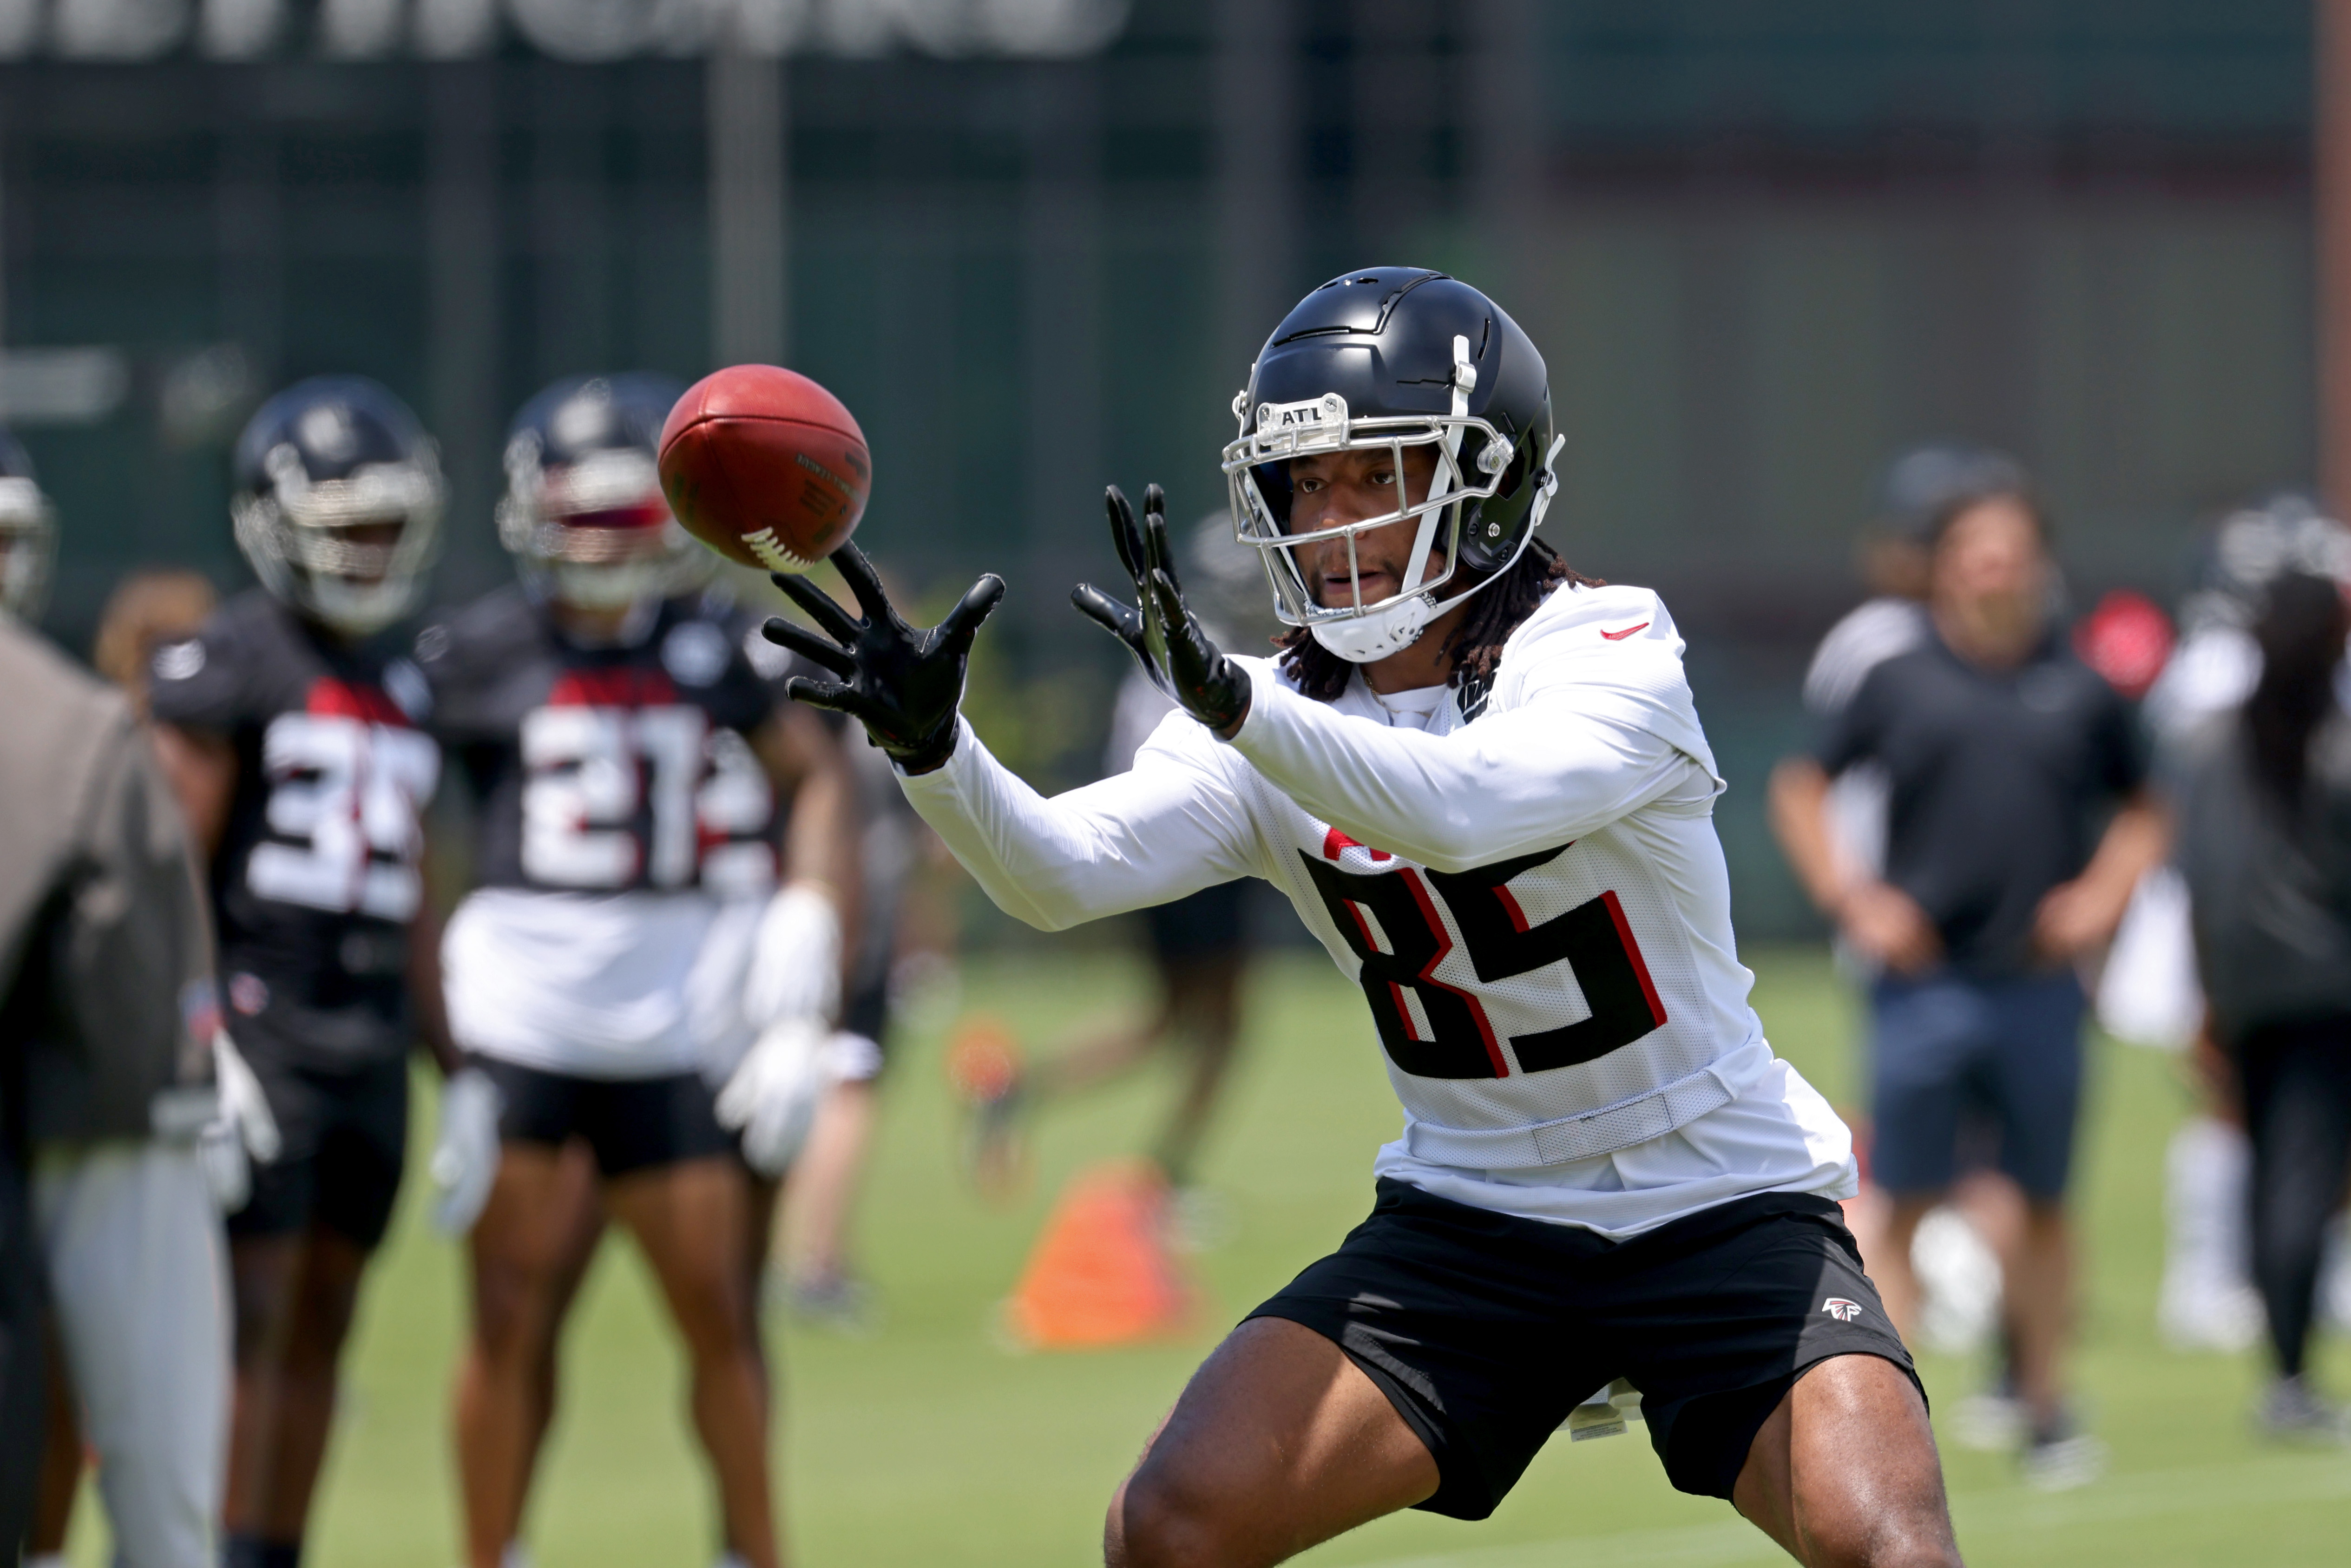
x: 765, y: 466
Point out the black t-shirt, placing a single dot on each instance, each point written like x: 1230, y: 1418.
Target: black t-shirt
x: 605, y: 769
x: 316, y: 877
x: 1999, y: 782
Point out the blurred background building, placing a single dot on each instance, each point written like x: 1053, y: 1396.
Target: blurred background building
x: 1033, y: 243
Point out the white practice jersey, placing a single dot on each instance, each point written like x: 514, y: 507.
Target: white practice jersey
x: 1525, y: 882
x: 616, y: 986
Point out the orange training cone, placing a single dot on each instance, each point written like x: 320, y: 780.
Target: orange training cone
x: 1102, y: 1273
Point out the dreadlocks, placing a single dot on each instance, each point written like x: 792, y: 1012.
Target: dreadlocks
x: 1476, y: 644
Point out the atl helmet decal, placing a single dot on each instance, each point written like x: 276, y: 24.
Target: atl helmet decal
x: 1845, y: 1311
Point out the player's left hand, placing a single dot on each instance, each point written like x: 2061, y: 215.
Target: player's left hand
x: 465, y: 1156
x: 903, y: 683
x: 1163, y: 634
x: 772, y: 1099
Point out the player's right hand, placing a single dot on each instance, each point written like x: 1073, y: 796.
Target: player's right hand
x: 903, y: 683
x: 465, y: 1155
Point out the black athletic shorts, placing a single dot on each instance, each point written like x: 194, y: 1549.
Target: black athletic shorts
x: 630, y: 1123
x: 343, y: 1136
x: 1485, y: 1330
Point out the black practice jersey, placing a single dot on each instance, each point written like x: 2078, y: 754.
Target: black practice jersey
x: 316, y: 878
x: 607, y: 768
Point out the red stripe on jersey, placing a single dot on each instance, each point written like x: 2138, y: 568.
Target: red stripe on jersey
x: 1428, y: 972
x: 341, y: 699
x: 621, y: 686
x: 1511, y: 907
x: 1632, y: 951
x: 1335, y: 841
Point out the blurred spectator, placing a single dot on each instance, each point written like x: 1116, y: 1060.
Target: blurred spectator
x: 106, y: 992
x: 2265, y: 845
x: 148, y: 608
x: 1958, y: 1269
x: 2149, y: 993
x: 2001, y: 750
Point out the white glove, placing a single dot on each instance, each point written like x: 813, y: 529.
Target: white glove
x: 772, y: 1098
x: 794, y: 969
x: 243, y: 1131
x: 465, y: 1154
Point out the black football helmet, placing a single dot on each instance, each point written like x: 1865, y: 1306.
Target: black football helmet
x: 338, y: 502
x: 1388, y: 358
x: 583, y: 512
x: 28, y: 534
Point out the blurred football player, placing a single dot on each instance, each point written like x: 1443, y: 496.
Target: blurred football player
x: 290, y: 727
x: 1199, y: 944
x: 1481, y: 780
x: 626, y: 974
x: 28, y: 535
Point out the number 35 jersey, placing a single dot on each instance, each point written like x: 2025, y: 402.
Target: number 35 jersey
x: 1524, y: 881
x: 316, y: 877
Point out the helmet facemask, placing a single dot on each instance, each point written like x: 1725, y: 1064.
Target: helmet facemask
x: 594, y: 533
x: 28, y: 545
x: 1472, y: 460
x: 312, y: 542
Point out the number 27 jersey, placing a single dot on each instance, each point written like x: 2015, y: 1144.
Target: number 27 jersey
x: 607, y: 770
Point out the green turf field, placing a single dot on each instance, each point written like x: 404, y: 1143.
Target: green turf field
x: 926, y: 1443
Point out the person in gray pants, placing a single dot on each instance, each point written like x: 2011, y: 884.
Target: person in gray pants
x: 107, y: 1024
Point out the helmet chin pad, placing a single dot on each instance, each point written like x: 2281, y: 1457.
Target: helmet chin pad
x: 1378, y: 632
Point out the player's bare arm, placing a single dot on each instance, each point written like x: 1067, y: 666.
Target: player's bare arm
x: 804, y: 762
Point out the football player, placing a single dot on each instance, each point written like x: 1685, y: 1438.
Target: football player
x: 290, y: 728
x: 1482, y: 781
x: 626, y: 942
x: 28, y: 535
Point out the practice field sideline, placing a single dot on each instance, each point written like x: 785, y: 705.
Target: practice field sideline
x: 929, y: 1445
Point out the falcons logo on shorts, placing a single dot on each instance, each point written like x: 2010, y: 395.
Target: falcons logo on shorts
x: 1845, y: 1311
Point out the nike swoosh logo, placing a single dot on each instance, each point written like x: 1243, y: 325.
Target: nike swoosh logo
x: 1620, y: 636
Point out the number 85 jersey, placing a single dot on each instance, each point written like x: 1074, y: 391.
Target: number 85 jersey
x: 316, y: 879
x: 1524, y: 881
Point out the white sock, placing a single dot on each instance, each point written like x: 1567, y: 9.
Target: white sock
x: 2208, y: 1301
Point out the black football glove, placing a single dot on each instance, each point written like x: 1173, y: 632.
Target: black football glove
x: 1178, y: 655
x: 901, y: 683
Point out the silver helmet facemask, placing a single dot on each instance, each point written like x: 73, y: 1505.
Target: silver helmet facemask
x: 1472, y: 459
x: 595, y: 532
x: 300, y: 536
x: 28, y: 546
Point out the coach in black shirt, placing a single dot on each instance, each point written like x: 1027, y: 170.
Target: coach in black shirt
x: 2017, y: 826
